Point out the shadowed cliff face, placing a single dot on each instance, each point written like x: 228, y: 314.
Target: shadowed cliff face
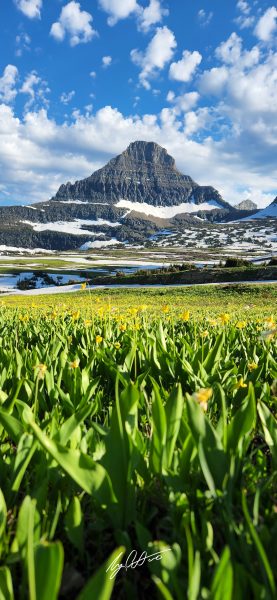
x: 144, y: 172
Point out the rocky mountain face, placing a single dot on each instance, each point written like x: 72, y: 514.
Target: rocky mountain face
x: 135, y: 198
x: 246, y: 205
x: 145, y: 172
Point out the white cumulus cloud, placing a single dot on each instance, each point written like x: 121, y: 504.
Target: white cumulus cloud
x: 37, y: 154
x: 267, y: 25
x: 118, y: 9
x: 151, y: 14
x: 76, y: 23
x: 184, y: 69
x: 8, y: 81
x: 30, y: 8
x: 157, y: 54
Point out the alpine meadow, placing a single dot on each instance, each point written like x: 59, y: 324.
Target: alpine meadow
x: 138, y: 300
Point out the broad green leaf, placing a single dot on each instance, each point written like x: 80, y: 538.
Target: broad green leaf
x: 48, y: 562
x: 3, y: 514
x: 269, y: 424
x: 11, y: 425
x: 158, y: 444
x: 25, y: 450
x: 74, y: 523
x: 222, y: 584
x: 173, y: 412
x: 243, y: 421
x: 100, y: 586
x: 89, y: 475
x: 6, y: 586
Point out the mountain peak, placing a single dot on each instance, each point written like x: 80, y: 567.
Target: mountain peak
x: 143, y: 173
x: 141, y: 151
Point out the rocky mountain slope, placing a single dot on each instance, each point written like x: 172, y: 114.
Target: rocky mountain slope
x: 138, y: 198
x: 143, y: 173
x: 246, y: 205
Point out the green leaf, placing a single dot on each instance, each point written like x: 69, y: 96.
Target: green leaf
x: 67, y: 429
x: 164, y: 591
x: 48, y: 569
x: 243, y: 421
x: 173, y: 411
x: 74, y: 523
x: 222, y: 584
x: 268, y: 574
x: 211, y: 362
x: 89, y: 475
x: 11, y: 425
x: 25, y: 450
x: 3, y: 514
x: 6, y: 586
x: 269, y: 424
x: 158, y: 443
x: 100, y: 586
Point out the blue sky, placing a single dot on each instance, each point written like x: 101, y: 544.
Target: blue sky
x: 81, y: 80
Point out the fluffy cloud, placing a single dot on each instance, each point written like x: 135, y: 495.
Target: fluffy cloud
x: 245, y: 19
x: 74, y: 22
x: 152, y: 14
x: 30, y: 8
x: 267, y: 25
x: 183, y: 69
x: 37, y: 89
x: 37, y: 154
x: 157, y: 54
x: 118, y: 9
x: 106, y: 61
x: 184, y: 102
x: 8, y: 81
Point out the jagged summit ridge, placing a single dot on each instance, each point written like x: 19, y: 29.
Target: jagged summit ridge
x: 144, y: 173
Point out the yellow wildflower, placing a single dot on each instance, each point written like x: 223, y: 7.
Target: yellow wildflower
x: 202, y: 397
x: 240, y: 384
x: 75, y: 315
x: 74, y: 364
x: 83, y: 285
x: 204, y: 334
x: 87, y: 322
x: 252, y: 366
x: 41, y: 370
x: 185, y: 315
x: 165, y: 308
x: 269, y: 323
x: 99, y: 339
x: 123, y: 327
x: 241, y: 324
x: 117, y: 345
x: 224, y: 318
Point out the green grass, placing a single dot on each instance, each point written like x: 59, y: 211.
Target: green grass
x: 139, y: 420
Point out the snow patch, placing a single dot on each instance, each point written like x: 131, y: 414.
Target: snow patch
x: 167, y: 212
x: 73, y: 227
x: 99, y: 244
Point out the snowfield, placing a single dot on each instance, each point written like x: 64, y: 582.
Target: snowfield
x: 166, y: 212
x: 73, y: 227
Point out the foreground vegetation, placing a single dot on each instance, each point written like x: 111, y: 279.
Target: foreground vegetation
x: 139, y: 421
